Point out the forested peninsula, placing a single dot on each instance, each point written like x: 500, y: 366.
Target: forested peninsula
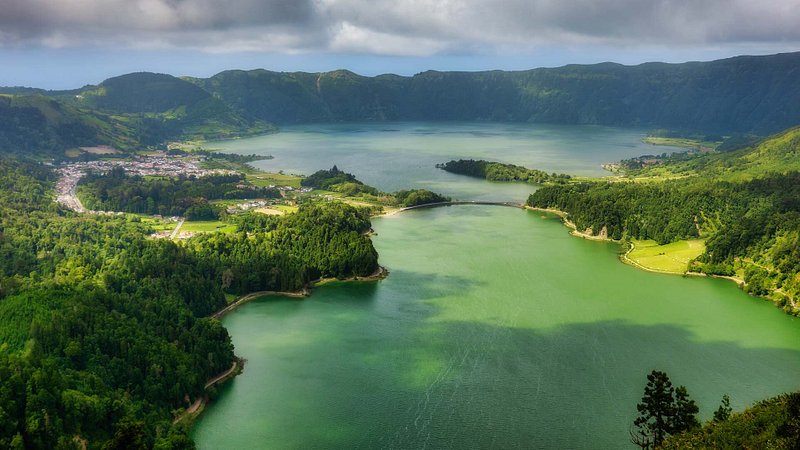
x: 496, y: 171
x: 345, y: 183
x: 744, y: 203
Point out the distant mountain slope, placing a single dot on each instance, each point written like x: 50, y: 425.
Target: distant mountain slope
x: 41, y: 125
x: 167, y: 107
x: 143, y: 92
x: 779, y: 153
x: 744, y: 94
x: 269, y: 96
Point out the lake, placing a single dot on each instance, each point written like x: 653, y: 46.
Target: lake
x: 495, y: 329
x: 398, y: 156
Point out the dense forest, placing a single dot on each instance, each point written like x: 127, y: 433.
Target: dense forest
x: 180, y: 196
x: 751, y: 220
x: 106, y: 332
x: 345, y: 183
x: 496, y: 171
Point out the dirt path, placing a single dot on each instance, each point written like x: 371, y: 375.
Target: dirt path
x: 222, y: 376
x: 174, y: 233
x: 201, y: 402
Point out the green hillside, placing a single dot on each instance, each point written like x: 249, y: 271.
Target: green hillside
x: 270, y: 96
x: 106, y: 334
x: 143, y: 93
x: 744, y: 94
x: 165, y: 107
x: 41, y: 125
x: 777, y: 153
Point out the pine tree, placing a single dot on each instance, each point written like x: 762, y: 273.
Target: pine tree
x: 684, y: 412
x: 663, y: 411
x: 655, y: 411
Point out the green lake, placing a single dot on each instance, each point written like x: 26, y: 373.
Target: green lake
x: 494, y: 329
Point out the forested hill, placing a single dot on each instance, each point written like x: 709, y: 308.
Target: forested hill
x: 758, y: 94
x: 38, y: 124
x: 128, y: 112
x: 165, y: 107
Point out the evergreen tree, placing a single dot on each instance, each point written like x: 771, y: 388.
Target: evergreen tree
x: 684, y: 412
x: 656, y: 411
x: 663, y: 411
x: 724, y: 411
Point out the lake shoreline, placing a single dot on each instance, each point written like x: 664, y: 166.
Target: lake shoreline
x: 379, y: 274
x: 623, y: 257
x: 198, y: 406
x: 741, y: 283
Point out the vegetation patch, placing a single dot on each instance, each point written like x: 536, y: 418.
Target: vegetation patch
x: 208, y: 226
x: 495, y: 171
x: 672, y: 258
x: 338, y: 182
x: 772, y: 423
x: 265, y: 179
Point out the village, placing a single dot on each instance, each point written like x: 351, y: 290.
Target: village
x: 159, y: 164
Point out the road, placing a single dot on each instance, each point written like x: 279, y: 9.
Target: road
x: 65, y: 190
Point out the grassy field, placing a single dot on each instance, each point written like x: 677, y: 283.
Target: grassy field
x: 262, y: 179
x: 270, y: 211
x: 286, y: 209
x: 672, y: 258
x: 155, y: 223
x: 208, y: 226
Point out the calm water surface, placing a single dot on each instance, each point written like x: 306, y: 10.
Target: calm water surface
x: 404, y: 155
x: 495, y: 329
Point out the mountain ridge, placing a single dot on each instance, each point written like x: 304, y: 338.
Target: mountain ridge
x: 734, y: 95
x: 739, y: 95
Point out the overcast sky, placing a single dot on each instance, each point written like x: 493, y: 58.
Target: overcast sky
x: 69, y: 43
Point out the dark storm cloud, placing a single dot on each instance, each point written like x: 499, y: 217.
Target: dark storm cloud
x: 393, y: 26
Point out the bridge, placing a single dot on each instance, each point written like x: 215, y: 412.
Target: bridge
x: 437, y: 204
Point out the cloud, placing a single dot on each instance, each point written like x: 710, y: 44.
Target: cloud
x: 392, y: 27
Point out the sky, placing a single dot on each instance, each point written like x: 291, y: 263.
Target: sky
x: 63, y: 44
